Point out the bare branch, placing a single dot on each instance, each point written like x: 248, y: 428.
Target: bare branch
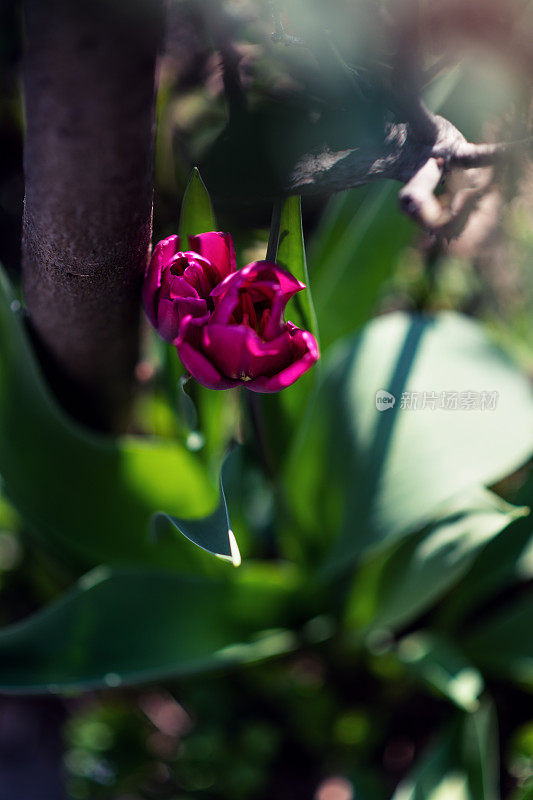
x: 405, y: 157
x: 420, y: 147
x: 470, y: 155
x: 417, y: 197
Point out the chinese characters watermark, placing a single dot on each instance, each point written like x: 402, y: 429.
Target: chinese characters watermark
x: 468, y: 400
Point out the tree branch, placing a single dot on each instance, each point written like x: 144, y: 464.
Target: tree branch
x: 405, y: 155
x: 420, y: 147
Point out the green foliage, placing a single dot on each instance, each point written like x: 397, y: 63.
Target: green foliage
x: 353, y: 258
x: 384, y: 544
x: 437, y: 661
x: 503, y: 643
x: 399, y: 584
x: 126, y: 626
x: 390, y: 471
x: 196, y: 209
x: 461, y: 765
x: 284, y: 415
x: 212, y: 533
x: 291, y: 255
x: 109, y: 487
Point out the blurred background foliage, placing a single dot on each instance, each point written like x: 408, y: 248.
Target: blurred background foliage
x: 388, y: 570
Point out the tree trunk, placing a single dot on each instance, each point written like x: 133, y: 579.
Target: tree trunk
x: 89, y: 82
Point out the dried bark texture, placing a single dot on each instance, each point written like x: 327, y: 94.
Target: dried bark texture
x: 89, y: 83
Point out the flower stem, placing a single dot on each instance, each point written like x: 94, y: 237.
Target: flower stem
x: 273, y: 238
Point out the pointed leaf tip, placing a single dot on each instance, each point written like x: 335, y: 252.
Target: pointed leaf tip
x: 196, y: 209
x: 212, y: 533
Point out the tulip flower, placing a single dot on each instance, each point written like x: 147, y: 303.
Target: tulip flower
x: 178, y: 283
x: 245, y: 340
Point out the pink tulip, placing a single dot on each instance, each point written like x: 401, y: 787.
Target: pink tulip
x: 245, y: 339
x: 178, y: 283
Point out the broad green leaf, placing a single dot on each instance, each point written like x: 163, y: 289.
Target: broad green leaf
x: 85, y: 495
x: 389, y: 471
x: 503, y: 644
x: 349, y: 273
x: 506, y: 560
x: 213, y: 533
x: 131, y: 625
x: 415, y: 573
x: 196, y: 209
x: 440, y: 664
x: 461, y: 765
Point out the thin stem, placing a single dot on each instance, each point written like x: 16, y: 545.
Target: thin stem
x: 273, y: 238
x: 255, y: 416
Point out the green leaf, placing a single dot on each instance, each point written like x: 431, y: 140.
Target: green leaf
x: 131, y: 625
x: 503, y: 644
x: 440, y: 664
x: 388, y: 472
x: 216, y: 410
x: 9, y: 519
x: 283, y: 415
x: 412, y: 576
x: 88, y: 496
x: 349, y: 269
x: 196, y: 209
x: 461, y: 765
x: 291, y: 255
x: 506, y: 560
x: 213, y: 533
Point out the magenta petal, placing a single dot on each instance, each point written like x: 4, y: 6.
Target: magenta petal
x: 306, y: 343
x: 163, y: 252
x: 177, y: 286
x: 167, y: 320
x: 240, y: 354
x: 225, y: 305
x: 171, y: 313
x: 237, y: 280
x: 218, y: 248
x: 288, y: 284
x: 166, y: 249
x: 194, y: 307
x: 201, y: 368
x: 275, y: 323
x: 262, y: 280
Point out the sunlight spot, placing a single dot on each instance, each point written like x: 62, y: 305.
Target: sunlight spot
x: 112, y: 679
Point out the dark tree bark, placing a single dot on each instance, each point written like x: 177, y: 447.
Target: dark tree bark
x: 89, y: 78
x: 89, y: 83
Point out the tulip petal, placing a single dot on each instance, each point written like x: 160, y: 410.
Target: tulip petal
x: 217, y: 248
x: 170, y: 314
x: 240, y: 354
x: 163, y: 252
x: 202, y: 369
x: 179, y: 287
x: 261, y: 272
x: 167, y: 320
x: 263, y: 281
x: 306, y: 344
